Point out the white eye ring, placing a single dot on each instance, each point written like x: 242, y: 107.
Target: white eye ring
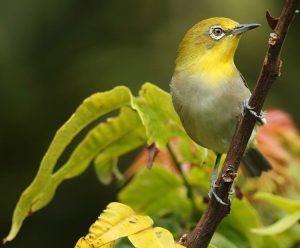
x: 216, y: 32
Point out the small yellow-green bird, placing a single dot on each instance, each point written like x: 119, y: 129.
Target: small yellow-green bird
x: 209, y: 92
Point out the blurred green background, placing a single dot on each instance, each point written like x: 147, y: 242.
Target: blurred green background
x: 53, y: 54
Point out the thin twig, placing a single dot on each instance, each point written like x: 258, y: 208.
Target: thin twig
x: 215, y: 212
x: 185, y: 181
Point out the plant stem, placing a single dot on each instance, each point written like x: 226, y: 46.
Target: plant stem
x: 185, y: 181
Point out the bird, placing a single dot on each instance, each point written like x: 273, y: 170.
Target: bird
x: 209, y: 93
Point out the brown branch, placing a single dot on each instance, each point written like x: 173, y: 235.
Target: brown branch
x: 203, y: 232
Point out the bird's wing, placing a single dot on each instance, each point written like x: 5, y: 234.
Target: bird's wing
x: 244, y: 80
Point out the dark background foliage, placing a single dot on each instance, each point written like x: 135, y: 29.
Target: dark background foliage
x: 53, y: 54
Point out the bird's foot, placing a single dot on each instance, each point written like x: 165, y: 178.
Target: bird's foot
x: 260, y: 117
x: 212, y: 192
x: 231, y: 191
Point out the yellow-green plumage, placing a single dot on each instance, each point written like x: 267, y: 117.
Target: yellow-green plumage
x: 207, y: 89
x: 199, y: 52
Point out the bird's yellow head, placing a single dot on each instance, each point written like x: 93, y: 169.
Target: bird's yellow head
x: 209, y: 44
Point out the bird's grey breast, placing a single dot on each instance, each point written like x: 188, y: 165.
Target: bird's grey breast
x: 209, y: 112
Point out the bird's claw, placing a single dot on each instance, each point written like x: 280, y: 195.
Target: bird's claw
x: 231, y: 191
x: 212, y: 192
x: 260, y: 117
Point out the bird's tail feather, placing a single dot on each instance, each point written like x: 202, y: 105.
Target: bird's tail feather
x: 255, y: 163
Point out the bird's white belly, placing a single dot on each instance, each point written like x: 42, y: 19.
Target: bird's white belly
x: 209, y: 113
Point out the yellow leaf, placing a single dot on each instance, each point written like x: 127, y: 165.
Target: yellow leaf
x: 125, y: 228
x: 83, y: 243
x: 164, y: 237
x: 112, y: 215
x: 116, y: 221
x: 153, y: 237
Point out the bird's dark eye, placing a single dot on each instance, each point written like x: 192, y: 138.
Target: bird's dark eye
x: 218, y: 31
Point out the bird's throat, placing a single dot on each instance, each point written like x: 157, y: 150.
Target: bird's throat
x: 211, y: 69
x: 215, y: 63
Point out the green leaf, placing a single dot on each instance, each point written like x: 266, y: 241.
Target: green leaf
x: 220, y: 241
x: 106, y: 171
x: 106, y: 162
x: 123, y: 243
x: 95, y: 141
x: 199, y: 178
x: 157, y: 192
x: 279, y: 226
x: 158, y: 115
x: 191, y: 152
x: 237, y: 226
x: 278, y: 201
x: 198, y: 175
x: 153, y: 121
x: 275, y: 241
x: 92, y: 108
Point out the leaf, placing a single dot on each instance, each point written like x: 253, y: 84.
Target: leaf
x: 279, y: 226
x: 96, y: 140
x: 198, y: 175
x: 157, y: 192
x: 275, y: 241
x: 278, y: 201
x: 170, y: 223
x: 221, y: 241
x: 158, y: 115
x: 154, y: 116
x: 83, y: 243
x: 127, y: 227
x: 116, y: 221
x: 119, y: 220
x: 92, y: 108
x: 103, y: 139
x: 153, y: 237
x: 187, y: 151
x: 237, y: 226
x: 106, y: 171
x: 123, y: 243
x: 106, y: 162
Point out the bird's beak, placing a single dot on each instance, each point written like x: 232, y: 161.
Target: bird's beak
x: 243, y: 28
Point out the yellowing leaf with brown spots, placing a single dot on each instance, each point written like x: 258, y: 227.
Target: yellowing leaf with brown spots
x: 83, y: 243
x: 153, y: 237
x: 116, y: 221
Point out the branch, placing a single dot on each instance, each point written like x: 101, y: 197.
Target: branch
x: 203, y: 232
